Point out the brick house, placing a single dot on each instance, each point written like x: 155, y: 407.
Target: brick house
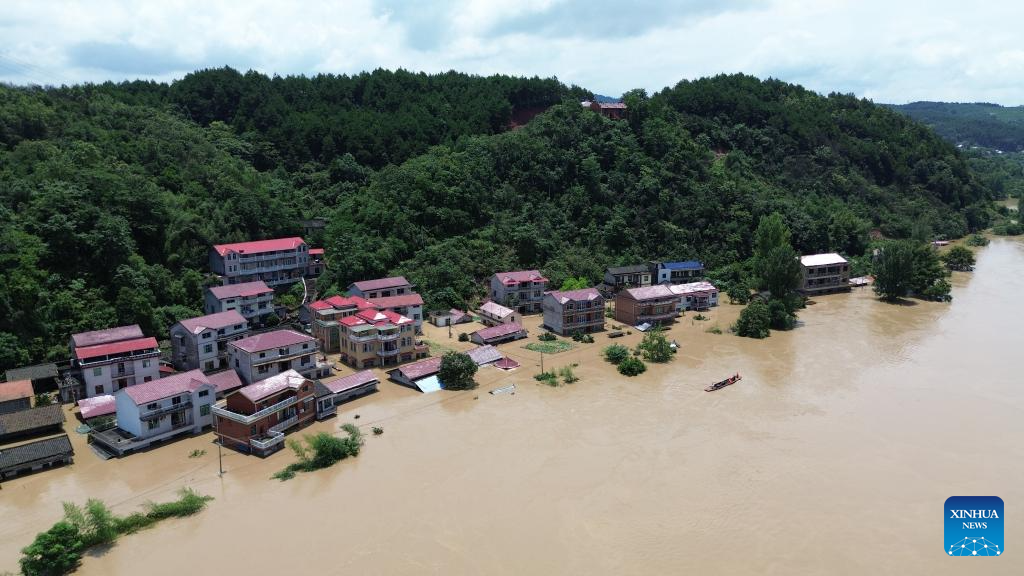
x: 276, y: 262
x: 574, y: 311
x: 254, y: 418
x: 202, y: 342
x: 650, y: 304
x: 106, y: 361
x: 521, y: 290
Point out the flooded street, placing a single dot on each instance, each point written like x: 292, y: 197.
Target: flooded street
x: 833, y: 455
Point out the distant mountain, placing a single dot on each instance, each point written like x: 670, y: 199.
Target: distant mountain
x: 975, y: 124
x: 602, y: 98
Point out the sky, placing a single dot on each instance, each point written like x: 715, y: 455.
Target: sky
x: 893, y: 51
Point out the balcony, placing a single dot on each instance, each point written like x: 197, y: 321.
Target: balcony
x: 388, y: 336
x: 248, y: 419
x: 362, y: 337
x: 270, y: 440
x: 165, y: 410
x: 388, y: 351
x: 285, y: 424
x: 135, y: 355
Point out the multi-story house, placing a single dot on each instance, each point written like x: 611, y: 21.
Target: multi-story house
x: 378, y: 338
x: 380, y: 287
x: 647, y: 305
x: 316, y: 264
x: 106, y: 361
x: 676, y: 272
x: 203, y: 342
x: 277, y: 261
x: 574, y: 311
x: 824, y: 273
x: 253, y: 300
x: 521, y: 290
x: 254, y: 418
x: 325, y: 314
x: 695, y: 295
x: 261, y: 356
x: 621, y: 277
x: 159, y: 410
x: 409, y: 305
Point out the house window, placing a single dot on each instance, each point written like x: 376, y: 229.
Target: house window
x: 206, y: 335
x: 209, y: 365
x: 263, y: 354
x: 305, y: 360
x: 262, y: 369
x: 145, y: 363
x: 208, y: 348
x: 204, y: 393
x: 98, y: 390
x: 204, y: 410
x: 147, y: 378
x: 98, y: 371
x: 176, y: 400
x: 153, y: 406
x: 153, y: 424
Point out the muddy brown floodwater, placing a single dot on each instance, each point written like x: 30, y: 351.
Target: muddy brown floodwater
x: 834, y: 455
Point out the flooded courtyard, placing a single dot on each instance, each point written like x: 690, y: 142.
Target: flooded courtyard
x: 833, y: 455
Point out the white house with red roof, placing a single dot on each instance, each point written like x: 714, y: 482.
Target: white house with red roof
x: 106, y: 361
x: 253, y: 300
x: 380, y: 287
x: 275, y: 261
x: 202, y: 342
x: 261, y: 356
x: 158, y: 410
x: 521, y: 290
x: 574, y: 311
x: 494, y: 314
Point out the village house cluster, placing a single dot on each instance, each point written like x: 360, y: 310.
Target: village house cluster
x: 252, y: 379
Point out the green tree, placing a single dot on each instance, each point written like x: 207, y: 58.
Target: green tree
x: 632, y: 366
x: 655, y: 346
x: 577, y: 283
x: 615, y: 353
x: 754, y: 320
x: 54, y: 552
x: 457, y: 371
x: 959, y: 258
x: 894, y: 270
x: 780, y: 271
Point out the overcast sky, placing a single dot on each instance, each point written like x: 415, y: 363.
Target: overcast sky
x: 887, y: 50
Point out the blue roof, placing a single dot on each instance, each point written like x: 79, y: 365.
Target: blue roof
x: 686, y: 265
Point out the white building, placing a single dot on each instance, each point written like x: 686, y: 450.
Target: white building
x: 261, y: 356
x: 493, y: 314
x: 159, y: 410
x: 108, y: 360
x: 202, y: 342
x: 253, y: 300
x: 276, y: 261
x: 695, y: 295
x: 824, y: 273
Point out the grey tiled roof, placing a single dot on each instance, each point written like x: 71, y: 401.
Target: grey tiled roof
x: 33, y: 451
x: 31, y: 419
x: 37, y: 372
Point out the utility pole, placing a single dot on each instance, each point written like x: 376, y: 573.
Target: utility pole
x: 220, y: 459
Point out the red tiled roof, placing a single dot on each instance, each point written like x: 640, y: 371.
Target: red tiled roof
x: 350, y: 382
x: 102, y: 405
x: 165, y: 369
x: 412, y: 299
x: 213, y: 321
x: 381, y: 283
x: 582, y: 295
x: 285, y: 380
x: 107, y: 336
x: 240, y: 290
x: 268, y: 340
x: 517, y: 276
x: 16, y: 390
x: 375, y: 317
x: 225, y: 381
x: 421, y: 369
x: 506, y: 363
x: 166, y: 387
x: 115, y: 348
x: 260, y: 246
x: 498, y: 331
x: 650, y: 292
x: 316, y: 251
x: 341, y: 302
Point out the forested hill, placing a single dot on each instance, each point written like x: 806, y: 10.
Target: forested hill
x: 110, y: 195
x: 976, y: 124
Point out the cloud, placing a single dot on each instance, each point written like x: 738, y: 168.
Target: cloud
x: 885, y: 50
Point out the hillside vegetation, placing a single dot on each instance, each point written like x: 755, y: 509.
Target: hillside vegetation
x: 110, y: 195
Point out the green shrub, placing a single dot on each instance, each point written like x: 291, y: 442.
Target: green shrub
x: 615, y: 353
x: 56, y: 551
x: 43, y: 399
x: 547, y: 337
x: 977, y: 240
x: 189, y: 502
x: 322, y: 450
x: 655, y: 347
x: 463, y: 337
x: 714, y: 330
x: 568, y: 376
x: 196, y: 453
x: 549, y: 378
x: 632, y: 367
x: 377, y: 431
x: 754, y: 320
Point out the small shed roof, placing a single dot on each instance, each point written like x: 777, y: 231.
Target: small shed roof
x: 15, y: 390
x: 102, y: 405
x: 485, y: 354
x: 31, y: 419
x: 498, y: 331
x: 350, y: 382
x: 36, y: 372
x: 19, y: 456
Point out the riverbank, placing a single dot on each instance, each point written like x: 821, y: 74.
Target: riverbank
x: 834, y: 454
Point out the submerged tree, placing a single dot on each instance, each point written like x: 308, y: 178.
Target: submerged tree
x: 457, y: 371
x: 894, y: 270
x: 959, y: 258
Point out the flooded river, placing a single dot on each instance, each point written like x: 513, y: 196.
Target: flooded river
x: 833, y: 455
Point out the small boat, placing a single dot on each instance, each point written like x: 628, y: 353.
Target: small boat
x: 722, y: 384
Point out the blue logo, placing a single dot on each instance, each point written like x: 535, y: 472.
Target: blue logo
x: 974, y: 526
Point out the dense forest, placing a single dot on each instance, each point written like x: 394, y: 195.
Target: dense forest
x: 111, y: 194
x: 972, y: 124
